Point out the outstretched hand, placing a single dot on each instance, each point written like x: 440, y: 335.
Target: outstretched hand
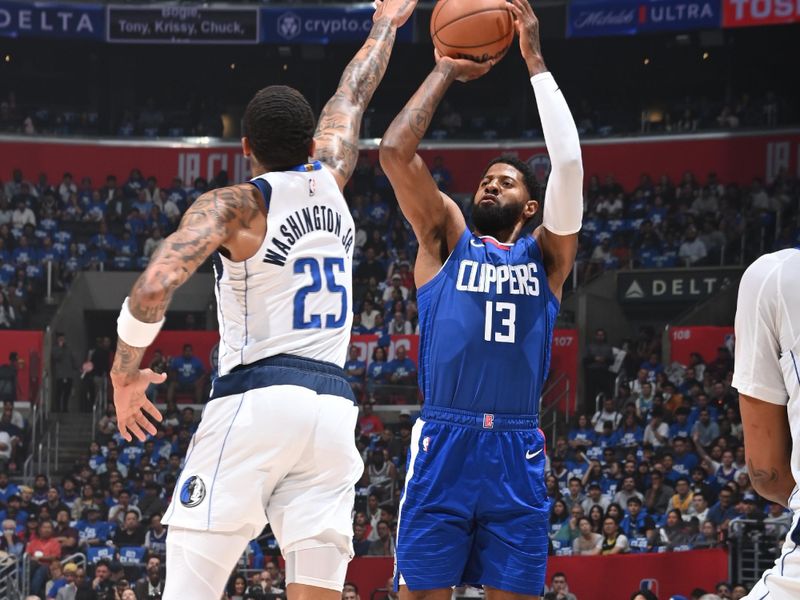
x: 464, y: 69
x: 397, y: 10
x: 133, y: 406
x: 530, y: 44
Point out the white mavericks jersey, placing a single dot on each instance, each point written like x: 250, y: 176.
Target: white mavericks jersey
x: 767, y: 365
x: 295, y: 295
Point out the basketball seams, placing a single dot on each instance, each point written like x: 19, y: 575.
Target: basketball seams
x: 477, y: 12
x: 436, y: 32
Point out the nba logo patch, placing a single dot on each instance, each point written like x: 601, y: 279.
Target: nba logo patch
x: 426, y: 441
x: 312, y: 187
x: 650, y: 585
x: 488, y: 421
x: 193, y: 491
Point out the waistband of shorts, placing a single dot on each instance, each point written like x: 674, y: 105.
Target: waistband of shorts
x: 284, y: 369
x: 486, y: 421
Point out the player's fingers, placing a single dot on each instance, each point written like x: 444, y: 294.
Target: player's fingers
x: 151, y: 410
x: 123, y: 430
x: 153, y: 377
x: 143, y: 422
x: 134, y: 428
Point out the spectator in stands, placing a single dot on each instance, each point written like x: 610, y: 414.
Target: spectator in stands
x: 152, y: 243
x: 378, y: 371
x: 559, y: 590
x: 403, y: 371
x: 658, y: 495
x: 187, y: 374
x: 92, y: 531
x: 705, y: 431
x: 369, y: 422
x: 43, y: 549
x: 369, y: 268
x: 65, y: 368
x: 355, y: 370
x: 380, y: 475
x: 613, y: 542
x: 155, y: 540
x: 656, y: 433
x: 674, y: 533
x: 399, y: 325
x: 23, y: 215
x: 588, y: 543
x: 599, y: 357
x: 682, y: 499
x: 10, y: 541
x: 65, y: 534
x: 607, y: 414
x: 152, y: 584
x: 692, y: 250
x: 360, y: 542
x: 384, y: 545
x: 368, y: 315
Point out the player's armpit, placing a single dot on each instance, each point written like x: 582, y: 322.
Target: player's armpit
x: 208, y: 224
x: 767, y: 445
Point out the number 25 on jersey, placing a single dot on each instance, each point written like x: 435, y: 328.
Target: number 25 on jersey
x: 311, y: 266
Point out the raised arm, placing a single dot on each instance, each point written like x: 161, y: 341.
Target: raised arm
x: 336, y: 137
x: 435, y: 218
x: 563, y: 200
x: 208, y: 224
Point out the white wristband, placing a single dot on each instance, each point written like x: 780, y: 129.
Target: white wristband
x: 134, y: 332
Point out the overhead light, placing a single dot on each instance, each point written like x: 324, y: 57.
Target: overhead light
x: 705, y: 55
x: 646, y: 61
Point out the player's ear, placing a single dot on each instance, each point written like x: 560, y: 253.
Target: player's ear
x: 312, y: 148
x: 531, y: 208
x: 246, y: 149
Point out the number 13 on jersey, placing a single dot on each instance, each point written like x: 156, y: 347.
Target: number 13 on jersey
x: 500, y: 323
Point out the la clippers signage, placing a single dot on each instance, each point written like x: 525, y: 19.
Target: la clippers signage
x: 746, y: 13
x: 588, y: 19
x: 671, y: 286
x: 316, y: 25
x: 182, y: 24
x: 44, y: 19
x: 735, y: 157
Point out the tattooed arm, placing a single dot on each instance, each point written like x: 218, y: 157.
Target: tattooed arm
x: 209, y: 223
x: 435, y: 218
x: 767, y: 446
x: 336, y: 138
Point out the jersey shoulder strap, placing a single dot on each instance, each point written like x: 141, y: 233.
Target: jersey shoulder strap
x: 265, y: 188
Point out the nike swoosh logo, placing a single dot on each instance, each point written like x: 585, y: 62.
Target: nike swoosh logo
x: 476, y: 244
x: 529, y: 455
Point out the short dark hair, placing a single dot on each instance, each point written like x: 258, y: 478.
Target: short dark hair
x: 279, y: 125
x: 559, y: 574
x: 528, y: 178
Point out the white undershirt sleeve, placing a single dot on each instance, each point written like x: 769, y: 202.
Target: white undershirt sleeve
x: 757, y: 370
x: 563, y: 200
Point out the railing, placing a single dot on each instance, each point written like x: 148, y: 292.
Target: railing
x: 39, y: 415
x: 24, y: 573
x: 9, y: 578
x: 548, y: 415
x: 752, y: 550
x: 99, y: 405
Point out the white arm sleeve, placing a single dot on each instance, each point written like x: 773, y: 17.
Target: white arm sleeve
x: 563, y: 199
x: 757, y: 369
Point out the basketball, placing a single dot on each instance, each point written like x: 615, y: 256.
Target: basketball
x: 478, y: 30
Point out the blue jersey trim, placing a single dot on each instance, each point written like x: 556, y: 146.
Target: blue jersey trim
x: 283, y: 369
x: 265, y: 188
x: 307, y: 167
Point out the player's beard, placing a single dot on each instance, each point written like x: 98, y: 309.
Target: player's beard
x: 493, y: 218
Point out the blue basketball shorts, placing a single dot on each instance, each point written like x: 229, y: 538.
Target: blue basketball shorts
x: 474, y: 508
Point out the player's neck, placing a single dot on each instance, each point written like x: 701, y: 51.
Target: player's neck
x: 504, y: 236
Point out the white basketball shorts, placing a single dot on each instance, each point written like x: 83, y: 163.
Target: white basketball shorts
x: 275, y: 444
x: 782, y: 581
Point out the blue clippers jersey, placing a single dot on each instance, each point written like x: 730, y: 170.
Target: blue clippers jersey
x: 486, y: 325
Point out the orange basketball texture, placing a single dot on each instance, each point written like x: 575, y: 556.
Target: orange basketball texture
x: 479, y: 30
